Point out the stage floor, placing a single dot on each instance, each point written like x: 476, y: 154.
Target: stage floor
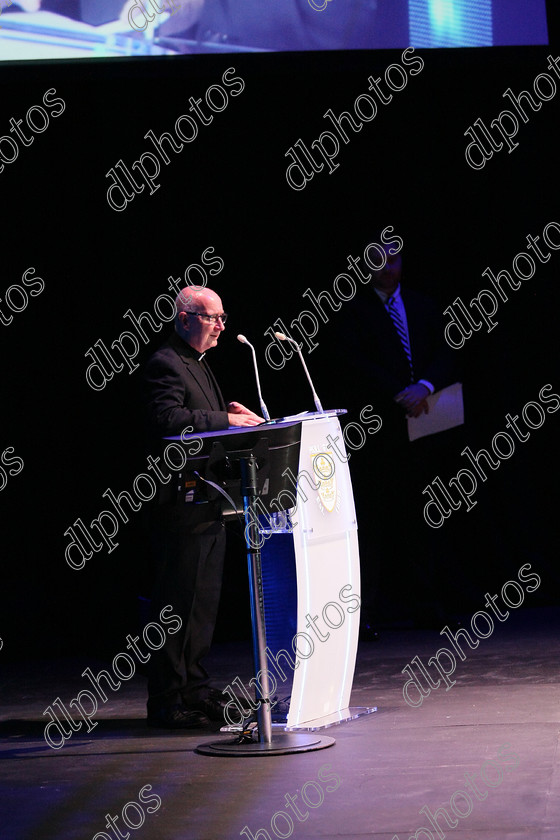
x: 485, y: 752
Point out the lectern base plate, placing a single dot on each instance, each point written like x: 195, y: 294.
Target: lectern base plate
x: 344, y: 715
x: 281, y: 744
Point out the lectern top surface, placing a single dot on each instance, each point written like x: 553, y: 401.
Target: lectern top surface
x: 281, y: 422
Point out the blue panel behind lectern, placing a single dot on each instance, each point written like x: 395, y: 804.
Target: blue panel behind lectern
x: 280, y: 600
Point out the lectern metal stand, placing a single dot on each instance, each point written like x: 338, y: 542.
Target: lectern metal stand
x: 268, y: 743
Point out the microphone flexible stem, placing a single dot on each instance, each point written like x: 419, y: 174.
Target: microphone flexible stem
x: 316, y: 399
x: 264, y: 409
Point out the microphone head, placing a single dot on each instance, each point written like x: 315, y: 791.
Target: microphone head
x: 242, y: 339
x: 280, y: 335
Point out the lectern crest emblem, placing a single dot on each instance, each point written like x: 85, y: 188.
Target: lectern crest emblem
x: 324, y: 470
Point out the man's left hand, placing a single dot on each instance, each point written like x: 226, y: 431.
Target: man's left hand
x: 413, y: 400
x: 238, y: 408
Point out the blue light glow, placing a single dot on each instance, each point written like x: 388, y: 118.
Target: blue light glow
x: 450, y: 23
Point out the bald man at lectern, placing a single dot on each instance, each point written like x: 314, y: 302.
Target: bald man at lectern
x: 188, y: 540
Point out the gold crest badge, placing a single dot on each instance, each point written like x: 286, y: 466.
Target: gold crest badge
x: 324, y: 471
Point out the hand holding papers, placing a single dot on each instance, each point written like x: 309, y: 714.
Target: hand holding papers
x: 446, y: 412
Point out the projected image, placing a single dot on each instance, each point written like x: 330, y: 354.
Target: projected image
x: 43, y: 29
x: 443, y: 24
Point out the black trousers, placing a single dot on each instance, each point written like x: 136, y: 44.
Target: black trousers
x: 188, y: 554
x: 409, y: 570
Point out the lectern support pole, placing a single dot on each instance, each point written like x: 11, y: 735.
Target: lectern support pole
x: 253, y: 540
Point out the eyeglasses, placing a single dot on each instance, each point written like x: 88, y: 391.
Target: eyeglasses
x: 210, y: 319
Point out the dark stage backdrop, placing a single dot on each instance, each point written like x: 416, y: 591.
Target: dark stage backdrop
x: 227, y: 189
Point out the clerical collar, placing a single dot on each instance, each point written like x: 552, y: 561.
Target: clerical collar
x: 384, y: 297
x: 196, y: 354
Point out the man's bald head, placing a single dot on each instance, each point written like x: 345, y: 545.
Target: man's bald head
x: 192, y: 302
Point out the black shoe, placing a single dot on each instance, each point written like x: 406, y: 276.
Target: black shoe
x: 177, y: 717
x: 213, y: 702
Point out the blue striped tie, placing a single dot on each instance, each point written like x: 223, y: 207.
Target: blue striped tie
x: 401, y: 330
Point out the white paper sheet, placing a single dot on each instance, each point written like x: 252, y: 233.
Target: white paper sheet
x: 446, y: 412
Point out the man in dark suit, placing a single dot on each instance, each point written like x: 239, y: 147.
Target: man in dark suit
x: 400, y: 359
x: 407, y: 356
x: 188, y: 540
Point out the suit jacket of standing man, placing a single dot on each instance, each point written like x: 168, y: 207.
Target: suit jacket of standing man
x: 380, y: 359
x: 430, y: 358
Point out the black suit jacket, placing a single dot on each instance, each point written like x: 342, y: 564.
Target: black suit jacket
x: 380, y: 368
x: 386, y: 358
x: 182, y: 392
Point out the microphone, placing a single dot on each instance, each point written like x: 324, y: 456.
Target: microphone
x: 264, y: 409
x: 284, y: 337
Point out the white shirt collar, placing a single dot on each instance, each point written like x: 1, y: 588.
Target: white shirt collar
x: 385, y: 297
